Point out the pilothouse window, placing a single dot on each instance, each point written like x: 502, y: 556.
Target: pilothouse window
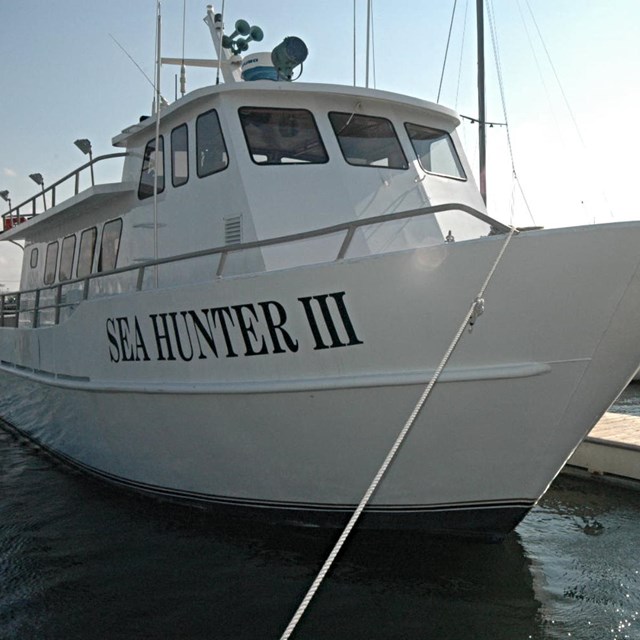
x: 110, y: 245
x: 368, y: 141
x: 87, y: 249
x: 211, y: 152
x: 66, y: 258
x: 435, y: 151
x: 179, y: 156
x: 282, y: 136
x: 151, y: 163
x: 50, y: 263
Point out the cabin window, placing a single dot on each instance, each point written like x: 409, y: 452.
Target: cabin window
x: 211, y: 152
x: 50, y: 263
x: 435, y: 150
x: 367, y: 141
x: 110, y: 245
x: 33, y: 259
x: 282, y: 136
x: 87, y: 249
x: 150, y: 165
x: 66, y: 258
x: 179, y: 156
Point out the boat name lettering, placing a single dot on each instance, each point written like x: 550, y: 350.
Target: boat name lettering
x: 250, y: 329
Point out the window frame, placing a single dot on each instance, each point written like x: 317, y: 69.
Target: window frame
x: 48, y: 271
x: 175, y: 184
x: 224, y: 145
x: 100, y: 268
x: 353, y: 116
x: 148, y: 149
x: 33, y: 264
x: 65, y: 243
x: 93, y: 252
x: 452, y: 147
x: 280, y: 163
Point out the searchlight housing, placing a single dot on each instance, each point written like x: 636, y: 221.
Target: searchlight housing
x: 290, y: 53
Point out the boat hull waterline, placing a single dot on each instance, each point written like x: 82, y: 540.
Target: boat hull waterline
x: 280, y: 393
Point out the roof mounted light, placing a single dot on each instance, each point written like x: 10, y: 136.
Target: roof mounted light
x: 85, y: 146
x: 5, y: 196
x: 38, y: 179
x: 290, y: 53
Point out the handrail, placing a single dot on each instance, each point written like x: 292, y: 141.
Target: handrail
x: 349, y: 227
x: 14, y: 213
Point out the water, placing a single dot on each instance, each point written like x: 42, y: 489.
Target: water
x: 79, y: 559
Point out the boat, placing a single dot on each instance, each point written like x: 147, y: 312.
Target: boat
x: 248, y: 317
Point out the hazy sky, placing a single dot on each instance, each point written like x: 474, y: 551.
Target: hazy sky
x: 63, y: 78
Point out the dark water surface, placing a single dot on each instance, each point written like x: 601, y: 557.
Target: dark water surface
x: 79, y: 559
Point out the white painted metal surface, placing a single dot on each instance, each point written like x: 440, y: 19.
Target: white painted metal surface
x: 277, y: 377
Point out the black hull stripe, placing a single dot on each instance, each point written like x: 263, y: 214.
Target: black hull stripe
x: 197, y: 497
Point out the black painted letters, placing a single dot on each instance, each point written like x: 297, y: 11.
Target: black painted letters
x: 250, y: 329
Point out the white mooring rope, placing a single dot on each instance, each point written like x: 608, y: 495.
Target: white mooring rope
x: 474, y: 310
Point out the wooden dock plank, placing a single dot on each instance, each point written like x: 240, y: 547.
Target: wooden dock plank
x: 618, y: 427
x: 611, y: 450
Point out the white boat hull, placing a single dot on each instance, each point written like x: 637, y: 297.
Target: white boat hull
x: 292, y: 416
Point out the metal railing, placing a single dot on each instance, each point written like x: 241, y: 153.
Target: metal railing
x: 45, y: 305
x: 28, y: 209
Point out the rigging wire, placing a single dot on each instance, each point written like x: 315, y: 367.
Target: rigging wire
x: 555, y: 73
x: 373, y: 47
x: 446, y: 50
x: 140, y: 69
x: 496, y: 54
x: 539, y: 68
x: 464, y: 30
x: 368, y: 43
x: 354, y: 42
x: 564, y: 95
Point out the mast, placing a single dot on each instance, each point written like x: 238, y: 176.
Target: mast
x: 482, y: 141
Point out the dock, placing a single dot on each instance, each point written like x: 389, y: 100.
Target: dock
x: 611, y: 450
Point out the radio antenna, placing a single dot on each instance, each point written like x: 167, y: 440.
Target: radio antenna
x: 220, y: 47
x: 183, y: 71
x: 148, y: 79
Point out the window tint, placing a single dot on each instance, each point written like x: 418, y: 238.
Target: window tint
x: 110, y: 245
x: 282, y: 136
x: 150, y: 164
x: 211, y: 152
x: 87, y: 249
x: 367, y: 141
x: 66, y: 258
x: 50, y: 263
x: 33, y: 259
x: 435, y: 151
x: 179, y: 156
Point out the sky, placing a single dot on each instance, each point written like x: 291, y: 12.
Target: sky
x: 569, y: 75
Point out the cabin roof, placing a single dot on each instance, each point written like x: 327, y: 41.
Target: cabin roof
x: 147, y: 126
x: 89, y: 200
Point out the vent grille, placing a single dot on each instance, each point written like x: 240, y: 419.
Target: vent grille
x: 233, y: 230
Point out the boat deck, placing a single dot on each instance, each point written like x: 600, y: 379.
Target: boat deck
x: 611, y: 449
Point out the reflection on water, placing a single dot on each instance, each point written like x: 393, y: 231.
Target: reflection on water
x: 582, y: 540
x: 629, y: 400
x: 81, y: 560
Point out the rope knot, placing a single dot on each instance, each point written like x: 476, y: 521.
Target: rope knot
x: 476, y: 311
